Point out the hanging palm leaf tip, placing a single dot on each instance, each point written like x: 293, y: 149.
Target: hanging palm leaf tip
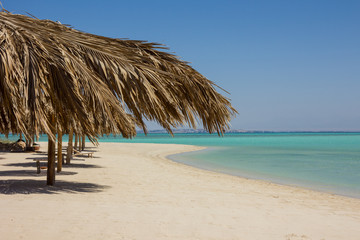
x: 99, y: 81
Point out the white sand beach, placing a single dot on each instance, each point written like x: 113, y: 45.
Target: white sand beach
x: 131, y: 191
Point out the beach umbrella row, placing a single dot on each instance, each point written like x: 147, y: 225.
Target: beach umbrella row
x: 57, y: 79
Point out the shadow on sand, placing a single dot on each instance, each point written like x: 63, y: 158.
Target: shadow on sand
x: 25, y: 164
x: 28, y: 173
x: 43, y: 164
x: 29, y: 186
x: 81, y: 165
x: 44, y: 155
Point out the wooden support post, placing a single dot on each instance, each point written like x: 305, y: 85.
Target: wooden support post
x: 31, y: 142
x: 69, y: 148
x: 79, y: 149
x: 76, y: 141
x: 83, y: 143
x: 59, y: 153
x: 80, y: 142
x: 38, y: 167
x: 27, y: 143
x: 51, y: 162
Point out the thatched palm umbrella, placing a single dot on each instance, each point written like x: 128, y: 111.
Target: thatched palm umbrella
x: 57, y: 76
x: 41, y: 89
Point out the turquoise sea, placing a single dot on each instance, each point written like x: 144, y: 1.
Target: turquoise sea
x: 328, y: 162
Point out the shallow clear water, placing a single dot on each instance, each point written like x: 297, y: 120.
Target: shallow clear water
x: 328, y: 162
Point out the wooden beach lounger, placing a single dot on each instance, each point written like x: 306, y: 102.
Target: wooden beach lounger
x: 89, y: 154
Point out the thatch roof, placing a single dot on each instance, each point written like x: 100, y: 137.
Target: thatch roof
x: 97, y: 84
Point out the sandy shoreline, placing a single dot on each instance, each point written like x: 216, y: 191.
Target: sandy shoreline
x: 131, y: 191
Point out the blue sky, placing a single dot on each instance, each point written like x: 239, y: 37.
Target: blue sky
x: 289, y: 65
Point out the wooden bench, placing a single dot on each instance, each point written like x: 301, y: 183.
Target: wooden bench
x: 38, y: 167
x: 38, y: 160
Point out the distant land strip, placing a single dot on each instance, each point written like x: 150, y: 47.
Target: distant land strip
x: 243, y: 131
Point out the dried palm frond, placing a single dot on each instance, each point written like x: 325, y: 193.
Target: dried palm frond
x: 39, y: 78
x: 97, y: 84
